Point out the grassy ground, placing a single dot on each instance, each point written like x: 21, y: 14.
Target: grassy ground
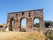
x: 35, y: 35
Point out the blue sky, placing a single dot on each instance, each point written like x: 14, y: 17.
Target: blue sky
x: 7, y: 6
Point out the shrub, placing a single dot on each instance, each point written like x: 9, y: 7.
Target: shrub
x: 50, y: 36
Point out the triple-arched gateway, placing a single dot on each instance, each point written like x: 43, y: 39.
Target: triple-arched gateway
x: 29, y: 15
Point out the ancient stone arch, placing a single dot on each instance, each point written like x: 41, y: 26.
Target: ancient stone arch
x: 29, y: 15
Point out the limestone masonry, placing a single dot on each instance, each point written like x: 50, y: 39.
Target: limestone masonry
x: 29, y: 15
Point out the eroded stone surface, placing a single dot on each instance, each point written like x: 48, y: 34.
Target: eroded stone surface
x: 29, y: 15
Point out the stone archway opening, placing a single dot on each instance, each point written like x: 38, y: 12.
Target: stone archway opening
x: 23, y: 24
x: 36, y: 23
x: 12, y: 24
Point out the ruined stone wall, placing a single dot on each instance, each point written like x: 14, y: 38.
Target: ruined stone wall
x: 29, y: 15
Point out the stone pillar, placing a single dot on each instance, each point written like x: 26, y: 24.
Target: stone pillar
x: 33, y: 23
x: 41, y: 22
x: 29, y: 24
x: 16, y: 25
x: 9, y: 24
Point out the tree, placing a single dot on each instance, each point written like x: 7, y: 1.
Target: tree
x: 50, y: 36
x: 48, y: 23
x: 36, y: 25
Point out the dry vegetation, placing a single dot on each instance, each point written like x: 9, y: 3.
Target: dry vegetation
x: 35, y: 35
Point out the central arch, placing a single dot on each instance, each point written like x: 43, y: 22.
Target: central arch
x: 23, y: 24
